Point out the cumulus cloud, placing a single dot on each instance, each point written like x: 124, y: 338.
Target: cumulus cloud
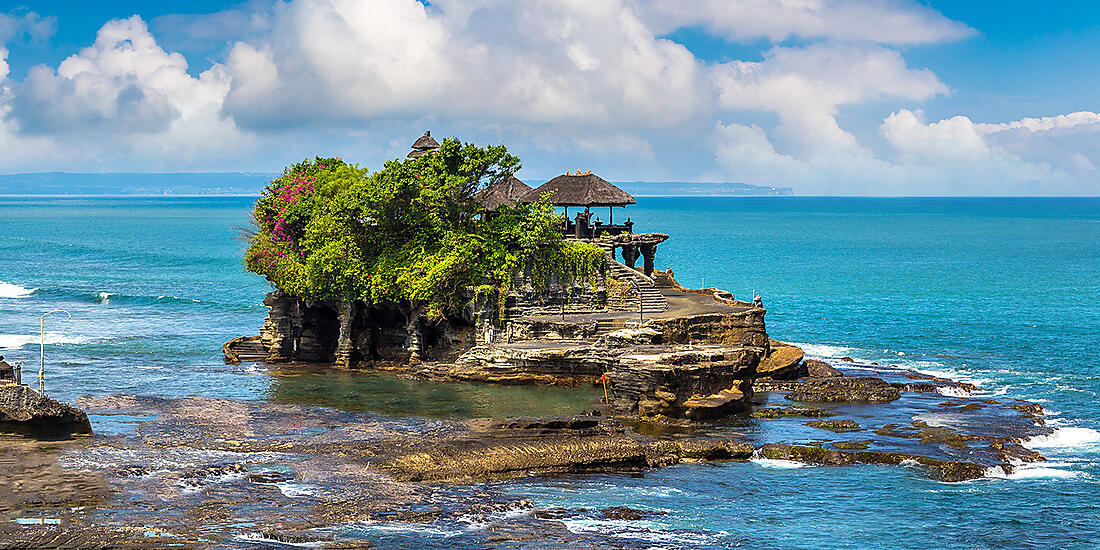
x: 26, y: 24
x: 806, y: 86
x: 538, y: 62
x: 879, y: 21
x: 126, y: 86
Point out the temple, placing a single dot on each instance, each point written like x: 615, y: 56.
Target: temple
x: 423, y: 145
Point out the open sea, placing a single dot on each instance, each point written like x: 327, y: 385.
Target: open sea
x: 1004, y: 293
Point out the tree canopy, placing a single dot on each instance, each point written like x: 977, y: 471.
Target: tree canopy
x: 329, y: 230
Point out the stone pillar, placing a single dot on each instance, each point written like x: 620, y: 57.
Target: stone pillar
x: 630, y: 255
x: 648, y: 251
x: 345, y: 351
x: 281, y: 327
x: 414, y: 341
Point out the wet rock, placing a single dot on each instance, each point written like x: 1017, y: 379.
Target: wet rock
x: 714, y: 449
x: 931, y: 435
x: 852, y: 445
x: 132, y: 471
x: 784, y: 412
x: 941, y: 470
x: 268, y: 477
x: 847, y: 359
x: 24, y: 411
x: 489, y: 459
x: 628, y: 514
x: 783, y: 363
x: 848, y: 388
x: 838, y: 426
x: 819, y: 369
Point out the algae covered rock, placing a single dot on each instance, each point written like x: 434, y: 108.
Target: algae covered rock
x: 847, y: 388
x: 24, y: 411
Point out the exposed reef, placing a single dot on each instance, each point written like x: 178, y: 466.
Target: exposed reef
x: 26, y: 412
x: 702, y: 357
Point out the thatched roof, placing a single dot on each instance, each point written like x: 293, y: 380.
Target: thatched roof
x: 426, y: 141
x: 423, y: 145
x: 581, y: 190
x: 507, y: 191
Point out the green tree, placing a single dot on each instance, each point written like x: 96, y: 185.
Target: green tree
x: 328, y: 230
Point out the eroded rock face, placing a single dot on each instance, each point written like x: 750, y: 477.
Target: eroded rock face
x: 24, y: 411
x: 548, y: 364
x: 696, y: 382
x: 744, y: 328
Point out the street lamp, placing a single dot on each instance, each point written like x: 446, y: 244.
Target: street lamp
x: 42, y: 348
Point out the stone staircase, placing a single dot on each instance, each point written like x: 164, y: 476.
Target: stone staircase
x: 652, y: 299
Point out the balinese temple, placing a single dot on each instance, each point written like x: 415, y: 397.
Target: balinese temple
x: 423, y: 145
x: 506, y: 192
x: 586, y: 190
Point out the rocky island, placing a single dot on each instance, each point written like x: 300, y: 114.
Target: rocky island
x: 509, y: 291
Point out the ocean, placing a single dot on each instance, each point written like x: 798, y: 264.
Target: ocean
x: 1004, y: 293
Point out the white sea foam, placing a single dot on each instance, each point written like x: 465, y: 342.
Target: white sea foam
x: 952, y: 391
x: 16, y: 341
x: 257, y: 538
x: 637, y: 530
x: 777, y: 464
x: 824, y: 350
x: 294, y: 490
x: 1065, y: 438
x: 8, y: 290
x: 104, y: 297
x: 1044, y: 470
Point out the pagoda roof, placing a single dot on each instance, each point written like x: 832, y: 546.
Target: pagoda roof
x: 581, y: 190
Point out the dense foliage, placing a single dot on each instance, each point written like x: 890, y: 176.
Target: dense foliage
x: 328, y: 230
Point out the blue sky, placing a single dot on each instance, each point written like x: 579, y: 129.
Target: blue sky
x: 859, y: 97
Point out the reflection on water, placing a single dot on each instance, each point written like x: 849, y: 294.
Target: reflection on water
x: 392, y: 396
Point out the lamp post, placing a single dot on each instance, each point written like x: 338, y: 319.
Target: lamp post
x: 42, y: 348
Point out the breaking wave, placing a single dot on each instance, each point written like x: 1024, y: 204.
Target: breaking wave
x: 8, y: 290
x: 1065, y: 438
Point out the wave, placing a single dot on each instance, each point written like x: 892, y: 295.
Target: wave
x: 1032, y: 471
x: 1065, y: 438
x: 17, y: 341
x: 9, y: 290
x: 777, y: 464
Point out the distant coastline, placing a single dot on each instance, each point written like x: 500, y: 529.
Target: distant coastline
x: 249, y: 184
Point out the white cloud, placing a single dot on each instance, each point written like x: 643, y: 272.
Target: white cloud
x: 15, y: 25
x: 124, y: 86
x: 1043, y: 124
x: 541, y: 62
x: 806, y: 86
x: 879, y: 21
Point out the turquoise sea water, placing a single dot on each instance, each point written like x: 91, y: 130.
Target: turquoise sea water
x: 1001, y: 292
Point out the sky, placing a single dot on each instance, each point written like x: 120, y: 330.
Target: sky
x: 830, y: 97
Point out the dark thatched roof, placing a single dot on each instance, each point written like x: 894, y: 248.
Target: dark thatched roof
x: 581, y: 190
x: 507, y: 191
x: 426, y: 141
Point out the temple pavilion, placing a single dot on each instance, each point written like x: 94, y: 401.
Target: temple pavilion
x: 423, y: 145
x: 585, y: 190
